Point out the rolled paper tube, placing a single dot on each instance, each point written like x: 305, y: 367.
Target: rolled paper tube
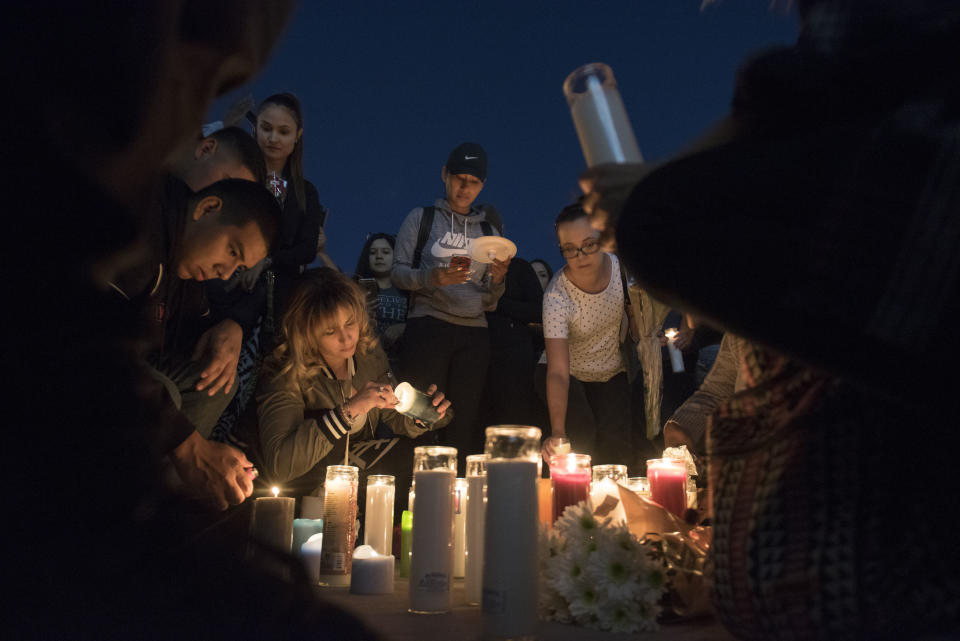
x: 600, y: 117
x: 372, y: 572
x: 415, y: 404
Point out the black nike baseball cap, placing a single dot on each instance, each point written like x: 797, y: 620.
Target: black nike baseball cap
x: 468, y: 158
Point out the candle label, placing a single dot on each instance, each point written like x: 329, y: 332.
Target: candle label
x: 434, y: 582
x: 336, y: 561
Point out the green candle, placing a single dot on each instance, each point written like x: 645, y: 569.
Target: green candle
x: 406, y: 541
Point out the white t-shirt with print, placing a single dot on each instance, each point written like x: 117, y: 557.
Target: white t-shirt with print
x: 590, y: 323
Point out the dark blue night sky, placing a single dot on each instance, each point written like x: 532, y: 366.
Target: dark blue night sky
x: 389, y: 88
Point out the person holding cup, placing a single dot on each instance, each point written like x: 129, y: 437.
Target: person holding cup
x: 446, y: 338
x: 325, y: 381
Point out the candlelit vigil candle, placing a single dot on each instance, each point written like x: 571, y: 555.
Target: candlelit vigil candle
x: 406, y: 541
x: 431, y: 564
x: 676, y: 356
x: 605, y: 498
x: 510, y: 555
x: 570, y: 475
x: 459, y: 527
x: 476, y: 517
x: 668, y: 484
x: 271, y: 522
x: 303, y: 529
x: 312, y: 554
x: 372, y: 573
x: 339, y: 516
x: 378, y: 519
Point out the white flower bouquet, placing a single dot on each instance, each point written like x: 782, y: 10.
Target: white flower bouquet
x: 599, y: 575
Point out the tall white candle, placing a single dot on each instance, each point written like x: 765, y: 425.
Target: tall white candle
x: 339, y: 516
x: 476, y: 509
x: 431, y: 562
x: 510, y: 564
x: 378, y: 520
x: 459, y: 527
x: 510, y: 538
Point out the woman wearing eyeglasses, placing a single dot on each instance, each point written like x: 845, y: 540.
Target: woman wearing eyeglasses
x: 587, y: 392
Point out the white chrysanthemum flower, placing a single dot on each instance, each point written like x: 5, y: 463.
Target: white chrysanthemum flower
x: 576, y: 523
x: 617, y: 576
x: 598, y: 574
x: 585, y: 604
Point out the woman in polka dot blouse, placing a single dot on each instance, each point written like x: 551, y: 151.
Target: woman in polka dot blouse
x: 587, y: 392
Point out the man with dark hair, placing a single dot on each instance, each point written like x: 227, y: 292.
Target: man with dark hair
x: 193, y: 237
x: 225, y: 153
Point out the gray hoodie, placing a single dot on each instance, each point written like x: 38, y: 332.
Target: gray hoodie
x: 450, y: 236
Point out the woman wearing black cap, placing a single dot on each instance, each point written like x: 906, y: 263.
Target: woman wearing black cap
x: 446, y: 339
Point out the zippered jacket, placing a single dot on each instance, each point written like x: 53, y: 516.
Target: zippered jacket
x: 450, y: 235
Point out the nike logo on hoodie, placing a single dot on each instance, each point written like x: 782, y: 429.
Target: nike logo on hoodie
x: 450, y: 244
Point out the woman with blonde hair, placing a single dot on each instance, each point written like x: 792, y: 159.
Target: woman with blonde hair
x: 328, y: 378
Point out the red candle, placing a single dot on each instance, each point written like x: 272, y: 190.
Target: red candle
x: 668, y: 484
x: 570, y: 475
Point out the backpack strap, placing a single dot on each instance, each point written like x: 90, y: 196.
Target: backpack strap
x: 487, y: 228
x: 426, y: 223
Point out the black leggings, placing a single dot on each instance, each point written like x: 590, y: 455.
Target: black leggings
x: 598, y: 418
x: 456, y: 359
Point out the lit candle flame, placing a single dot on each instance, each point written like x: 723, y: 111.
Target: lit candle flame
x: 671, y: 333
x: 275, y: 490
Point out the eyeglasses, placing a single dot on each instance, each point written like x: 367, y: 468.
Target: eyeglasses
x: 590, y: 246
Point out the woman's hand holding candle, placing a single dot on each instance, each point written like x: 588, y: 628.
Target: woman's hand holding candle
x: 439, y: 400
x: 370, y: 396
x: 556, y: 444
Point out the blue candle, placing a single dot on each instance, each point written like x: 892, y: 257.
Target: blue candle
x: 303, y: 529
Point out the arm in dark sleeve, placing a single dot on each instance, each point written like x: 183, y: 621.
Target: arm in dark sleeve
x: 718, y: 386
x: 304, y: 247
x: 175, y: 426
x: 523, y: 298
x: 293, y: 438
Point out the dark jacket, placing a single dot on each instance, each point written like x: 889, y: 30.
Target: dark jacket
x: 298, y: 425
x: 175, y: 311
x: 296, y: 243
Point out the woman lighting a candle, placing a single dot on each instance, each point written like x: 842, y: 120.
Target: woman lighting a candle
x: 325, y: 381
x: 587, y: 392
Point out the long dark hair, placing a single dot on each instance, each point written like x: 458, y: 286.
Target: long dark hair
x: 363, y: 263
x: 294, y: 167
x: 546, y: 266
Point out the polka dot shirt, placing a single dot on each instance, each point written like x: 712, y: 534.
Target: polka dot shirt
x: 590, y: 323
